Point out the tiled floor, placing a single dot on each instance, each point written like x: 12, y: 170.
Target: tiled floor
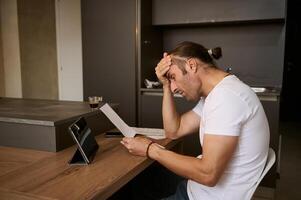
x: 289, y: 184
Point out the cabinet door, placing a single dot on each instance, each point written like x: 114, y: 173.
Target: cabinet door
x: 260, y: 48
x: 172, y: 12
x: 151, y: 109
x: 109, y: 69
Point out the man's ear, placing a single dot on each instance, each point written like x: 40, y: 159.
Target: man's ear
x: 192, y: 65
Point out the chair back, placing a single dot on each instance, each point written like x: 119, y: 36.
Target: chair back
x: 269, y: 163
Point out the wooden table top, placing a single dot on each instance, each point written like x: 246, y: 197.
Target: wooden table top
x: 31, y: 174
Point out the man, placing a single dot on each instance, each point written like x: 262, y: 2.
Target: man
x: 232, y: 126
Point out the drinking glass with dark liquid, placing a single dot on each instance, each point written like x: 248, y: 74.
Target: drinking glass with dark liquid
x: 94, y: 101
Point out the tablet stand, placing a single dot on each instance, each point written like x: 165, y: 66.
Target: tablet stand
x: 85, y: 141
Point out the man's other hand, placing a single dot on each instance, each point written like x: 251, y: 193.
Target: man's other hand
x: 162, y: 68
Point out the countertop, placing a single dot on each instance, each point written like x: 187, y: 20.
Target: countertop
x: 42, y: 112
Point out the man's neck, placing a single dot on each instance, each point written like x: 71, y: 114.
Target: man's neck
x: 211, y: 78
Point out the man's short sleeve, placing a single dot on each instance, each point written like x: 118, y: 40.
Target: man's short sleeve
x: 224, y: 113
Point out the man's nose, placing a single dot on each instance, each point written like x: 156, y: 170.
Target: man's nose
x: 173, y: 87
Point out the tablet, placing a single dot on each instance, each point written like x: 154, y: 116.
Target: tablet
x: 85, y: 141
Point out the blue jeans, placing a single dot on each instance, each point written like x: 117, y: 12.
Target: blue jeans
x: 181, y: 192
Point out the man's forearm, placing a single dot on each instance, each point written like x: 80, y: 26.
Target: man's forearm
x: 185, y: 166
x: 171, y: 119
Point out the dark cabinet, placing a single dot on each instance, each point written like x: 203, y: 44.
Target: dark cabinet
x: 181, y: 12
x: 151, y: 109
x: 255, y: 52
x: 251, y: 34
x: 109, y: 53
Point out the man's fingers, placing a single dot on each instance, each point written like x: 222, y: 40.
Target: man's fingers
x: 163, y: 71
x: 165, y: 61
x: 126, y: 142
x: 163, y: 64
x: 126, y: 139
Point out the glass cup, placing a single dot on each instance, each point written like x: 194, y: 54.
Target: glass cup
x: 94, y: 102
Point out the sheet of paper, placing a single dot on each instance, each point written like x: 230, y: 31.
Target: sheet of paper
x: 117, y: 121
x: 154, y: 133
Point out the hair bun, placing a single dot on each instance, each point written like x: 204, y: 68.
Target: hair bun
x: 215, y: 53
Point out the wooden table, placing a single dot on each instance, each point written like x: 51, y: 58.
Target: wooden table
x: 30, y: 174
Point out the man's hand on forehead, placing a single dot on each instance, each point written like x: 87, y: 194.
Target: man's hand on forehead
x: 163, y: 67
x: 172, y: 60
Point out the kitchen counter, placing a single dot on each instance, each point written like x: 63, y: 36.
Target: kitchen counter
x: 43, y: 124
x: 264, y: 93
x: 42, y: 112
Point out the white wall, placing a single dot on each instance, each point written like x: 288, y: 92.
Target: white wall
x: 11, y: 48
x: 69, y: 48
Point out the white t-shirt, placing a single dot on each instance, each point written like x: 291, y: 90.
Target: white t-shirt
x: 233, y: 109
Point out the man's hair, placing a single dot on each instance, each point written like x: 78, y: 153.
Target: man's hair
x: 193, y: 50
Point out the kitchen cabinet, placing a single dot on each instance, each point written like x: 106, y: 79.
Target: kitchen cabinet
x: 109, y: 53
x: 187, y: 12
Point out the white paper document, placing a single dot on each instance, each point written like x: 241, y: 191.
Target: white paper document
x: 128, y: 131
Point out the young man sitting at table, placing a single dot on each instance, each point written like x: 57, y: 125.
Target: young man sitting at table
x: 232, y: 125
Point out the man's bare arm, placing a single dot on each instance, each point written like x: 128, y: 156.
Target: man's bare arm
x: 174, y: 124
x: 217, y: 152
